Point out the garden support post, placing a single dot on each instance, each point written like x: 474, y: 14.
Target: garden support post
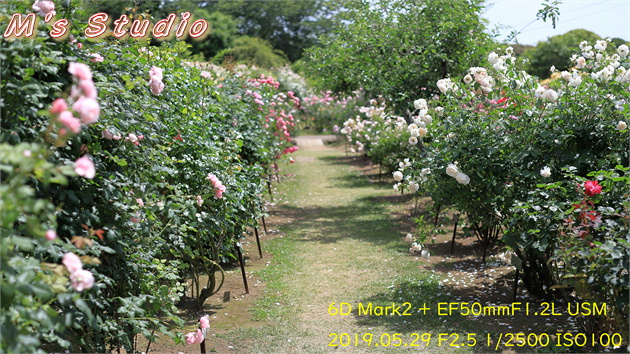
x: 258, y: 242
x: 242, y: 262
x: 203, y: 347
x: 264, y: 224
x: 456, y: 220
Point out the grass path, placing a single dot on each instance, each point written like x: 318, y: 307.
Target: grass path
x: 339, y: 244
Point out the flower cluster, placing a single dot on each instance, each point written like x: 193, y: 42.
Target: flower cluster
x: 264, y: 79
x: 83, y: 94
x: 199, y: 335
x: 155, y: 80
x: 290, y: 149
x: 219, y: 188
x: 454, y: 172
x: 80, y: 279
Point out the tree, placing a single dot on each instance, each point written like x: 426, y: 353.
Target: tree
x: 288, y: 25
x: 400, y: 48
x: 253, y: 51
x: 222, y: 32
x: 557, y: 51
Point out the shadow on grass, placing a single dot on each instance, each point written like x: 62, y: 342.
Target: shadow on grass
x: 367, y: 222
x: 411, y: 297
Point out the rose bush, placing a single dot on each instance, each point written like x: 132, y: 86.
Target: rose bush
x: 495, y: 134
x: 124, y: 184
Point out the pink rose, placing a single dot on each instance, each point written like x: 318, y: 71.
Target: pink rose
x: 89, y: 110
x: 80, y: 71
x: 200, y: 337
x: 87, y: 88
x: 155, y: 71
x: 194, y: 337
x: 106, y: 134
x: 156, y: 84
x: 199, y: 200
x: 72, y: 262
x: 140, y: 202
x: 96, y: 58
x: 204, y: 322
x: 190, y: 338
x: 66, y: 118
x: 59, y: 105
x: 81, y: 280
x: 44, y: 7
x: 51, y: 235
x: 212, y: 178
x: 135, y: 219
x: 84, y: 167
x: 135, y: 139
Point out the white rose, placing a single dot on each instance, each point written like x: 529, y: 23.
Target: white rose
x: 545, y: 172
x: 622, y: 125
x: 581, y: 62
x: 420, y: 103
x: 550, y: 95
x: 398, y: 176
x: 575, y: 81
x: 493, y: 58
x: 623, y: 50
x: 462, y: 178
x: 452, y: 170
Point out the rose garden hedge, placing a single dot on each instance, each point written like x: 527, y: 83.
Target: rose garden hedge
x: 146, y: 167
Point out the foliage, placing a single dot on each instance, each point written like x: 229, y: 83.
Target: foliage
x: 586, y: 237
x: 252, y: 51
x: 149, y: 216
x: 326, y: 112
x: 497, y: 134
x: 395, y: 48
x: 556, y: 51
x: 222, y: 32
x: 289, y: 26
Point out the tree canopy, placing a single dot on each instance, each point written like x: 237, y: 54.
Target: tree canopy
x: 400, y: 48
x: 288, y: 25
x: 556, y: 51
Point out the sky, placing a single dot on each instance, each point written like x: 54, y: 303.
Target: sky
x: 606, y: 18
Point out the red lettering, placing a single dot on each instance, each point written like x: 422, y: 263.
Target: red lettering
x: 139, y: 28
x: 118, y: 30
x: 18, y: 26
x: 182, y: 24
x: 96, y: 25
x: 60, y: 28
x: 198, y: 28
x: 163, y: 27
